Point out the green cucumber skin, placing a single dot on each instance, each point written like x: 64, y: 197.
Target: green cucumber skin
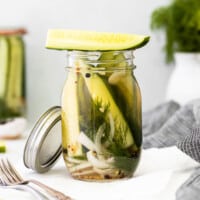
x: 110, y: 60
x: 23, y: 82
x: 131, y: 108
x: 14, y: 95
x: 4, y: 67
x: 128, y: 99
x: 126, y: 93
x: 85, y: 106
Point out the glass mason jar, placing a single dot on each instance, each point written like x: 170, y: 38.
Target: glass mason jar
x: 12, y: 74
x: 101, y: 115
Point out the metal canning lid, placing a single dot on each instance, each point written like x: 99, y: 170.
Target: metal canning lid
x: 43, y: 146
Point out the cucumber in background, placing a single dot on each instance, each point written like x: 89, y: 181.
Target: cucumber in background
x: 14, y: 92
x: 4, y: 64
x: 12, y: 75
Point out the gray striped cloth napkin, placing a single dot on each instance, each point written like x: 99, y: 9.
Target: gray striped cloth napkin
x: 170, y: 124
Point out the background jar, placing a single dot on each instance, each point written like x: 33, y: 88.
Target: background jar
x: 12, y: 83
x: 12, y: 74
x: 101, y: 115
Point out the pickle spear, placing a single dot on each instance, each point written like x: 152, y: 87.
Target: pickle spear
x: 128, y: 90
x: 14, y: 90
x: 70, y: 116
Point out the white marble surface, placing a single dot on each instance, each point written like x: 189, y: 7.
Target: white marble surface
x: 160, y: 173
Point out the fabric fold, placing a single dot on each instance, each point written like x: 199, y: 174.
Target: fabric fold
x: 175, y: 128
x: 170, y: 124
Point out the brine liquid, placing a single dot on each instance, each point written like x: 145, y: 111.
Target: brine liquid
x: 101, y: 124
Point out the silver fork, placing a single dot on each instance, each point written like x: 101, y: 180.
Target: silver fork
x: 4, y: 183
x: 14, y: 178
x: 38, y: 195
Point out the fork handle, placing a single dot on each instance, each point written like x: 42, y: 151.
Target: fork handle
x: 51, y: 191
x: 36, y: 193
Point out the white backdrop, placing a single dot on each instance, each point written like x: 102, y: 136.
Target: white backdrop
x: 45, y: 68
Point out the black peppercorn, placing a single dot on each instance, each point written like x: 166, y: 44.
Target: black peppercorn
x: 87, y: 75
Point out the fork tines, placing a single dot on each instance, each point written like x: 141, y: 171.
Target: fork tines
x: 7, y: 172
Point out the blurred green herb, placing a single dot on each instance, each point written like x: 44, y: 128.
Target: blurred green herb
x: 180, y: 21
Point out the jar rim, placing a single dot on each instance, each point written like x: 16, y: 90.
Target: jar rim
x: 99, y: 51
x: 12, y: 31
x: 101, y: 60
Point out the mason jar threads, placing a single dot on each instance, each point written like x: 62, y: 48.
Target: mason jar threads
x: 101, y: 115
x: 12, y: 80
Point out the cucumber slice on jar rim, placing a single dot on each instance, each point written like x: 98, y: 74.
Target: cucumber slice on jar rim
x: 93, y: 41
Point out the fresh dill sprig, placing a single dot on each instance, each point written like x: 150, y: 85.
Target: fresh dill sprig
x: 100, y: 115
